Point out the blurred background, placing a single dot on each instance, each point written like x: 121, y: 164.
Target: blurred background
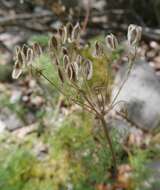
x: 32, y: 157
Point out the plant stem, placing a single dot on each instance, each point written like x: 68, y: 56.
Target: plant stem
x: 106, y: 131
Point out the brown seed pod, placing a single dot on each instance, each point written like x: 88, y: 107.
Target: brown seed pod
x: 21, y: 57
x: 24, y: 50
x: 88, y: 69
x: 69, y: 29
x: 76, y: 32
x: 134, y: 34
x: 17, y: 50
x: 53, y: 43
x: 98, y: 48
x: 30, y: 56
x: 17, y: 71
x: 64, y: 50
x: 66, y: 61
x: 77, y: 65
x: 111, y: 41
x: 60, y: 32
x: 37, y: 50
x: 73, y: 73
x: 65, y: 35
x: 70, y: 72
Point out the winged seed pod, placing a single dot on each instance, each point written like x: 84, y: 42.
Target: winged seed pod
x: 98, y: 49
x: 17, y: 49
x: 111, y: 41
x: 53, y: 43
x: 134, y: 34
x: 37, y: 50
x: 65, y: 51
x: 64, y: 35
x: 29, y: 57
x: 76, y: 32
x: 88, y: 69
x: 66, y: 61
x: 17, y: 71
x: 24, y: 50
x: 21, y: 57
x: 69, y: 29
x: 70, y: 72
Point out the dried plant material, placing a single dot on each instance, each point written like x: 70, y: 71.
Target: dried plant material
x: 29, y: 57
x: 66, y: 61
x: 76, y: 32
x: 70, y: 72
x: 69, y: 29
x: 111, y: 42
x: 60, y: 74
x: 64, y: 50
x: 53, y: 43
x: 134, y: 34
x: 64, y: 35
x: 17, y: 71
x: 98, y: 49
x: 24, y: 50
x: 37, y: 49
x: 74, y: 65
x: 17, y: 49
x: 20, y: 57
x: 88, y: 69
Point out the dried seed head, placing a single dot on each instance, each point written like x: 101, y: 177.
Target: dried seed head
x: 60, y: 32
x: 99, y: 49
x: 73, y: 72
x: 53, y: 43
x: 17, y: 49
x: 88, y: 69
x: 17, y: 71
x: 64, y: 50
x: 78, y: 60
x: 64, y: 35
x: 134, y: 34
x: 69, y: 29
x: 69, y: 72
x: 111, y: 42
x: 29, y: 57
x: 76, y: 32
x: 37, y: 49
x: 21, y: 57
x: 24, y: 50
x: 66, y: 61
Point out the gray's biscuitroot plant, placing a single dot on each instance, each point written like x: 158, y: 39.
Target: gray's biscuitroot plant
x: 84, y: 71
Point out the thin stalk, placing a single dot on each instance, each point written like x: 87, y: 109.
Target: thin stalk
x: 106, y: 131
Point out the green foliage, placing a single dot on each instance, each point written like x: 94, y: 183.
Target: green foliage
x: 41, y: 39
x: 87, y: 153
x: 77, y: 155
x: 15, y: 169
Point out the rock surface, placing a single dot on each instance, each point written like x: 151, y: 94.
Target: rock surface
x: 140, y: 94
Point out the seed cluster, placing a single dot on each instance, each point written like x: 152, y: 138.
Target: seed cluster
x: 73, y: 67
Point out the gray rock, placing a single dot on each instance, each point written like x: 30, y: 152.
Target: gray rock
x: 10, y: 119
x: 141, y: 94
x: 154, y: 169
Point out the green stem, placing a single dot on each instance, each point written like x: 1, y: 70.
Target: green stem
x: 106, y: 131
